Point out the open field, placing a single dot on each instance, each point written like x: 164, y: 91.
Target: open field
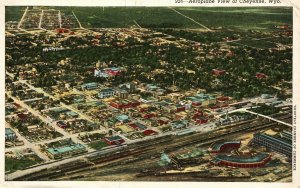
x: 257, y: 18
x: 17, y: 164
x: 163, y: 17
x: 13, y: 13
x: 97, y: 145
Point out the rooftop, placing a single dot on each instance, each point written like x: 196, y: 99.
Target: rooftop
x: 106, y: 90
x: 218, y: 145
x: 9, y: 131
x: 243, y: 159
x: 64, y: 149
x: 122, y: 117
x: 275, y: 139
x: 114, y: 138
x: 90, y: 84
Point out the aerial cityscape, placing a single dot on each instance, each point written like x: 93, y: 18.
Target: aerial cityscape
x: 148, y: 94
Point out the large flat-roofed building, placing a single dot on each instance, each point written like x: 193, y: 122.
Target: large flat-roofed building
x: 64, y: 151
x: 202, y: 99
x: 9, y: 134
x: 114, y: 140
x: 281, y: 144
x: 89, y: 86
x: 104, y: 93
x: 251, y: 161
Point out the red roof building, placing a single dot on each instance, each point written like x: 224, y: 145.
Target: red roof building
x: 162, y: 121
x: 62, y: 30
x: 125, y: 104
x: 201, y: 121
x: 197, y: 115
x: 252, y: 161
x: 61, y: 124
x: 222, y: 99
x: 218, y: 72
x: 114, y: 140
x: 149, y: 132
x: 148, y: 116
x: 260, y: 75
x: 22, y: 116
x: 223, y: 146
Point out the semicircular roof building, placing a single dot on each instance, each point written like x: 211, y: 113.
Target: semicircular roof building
x: 219, y: 147
x: 252, y: 161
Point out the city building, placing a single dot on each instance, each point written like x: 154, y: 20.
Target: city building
x: 121, y: 104
x: 137, y: 126
x: 179, y: 124
x: 105, y: 93
x: 64, y: 151
x: 123, y: 94
x: 61, y: 124
x: 114, y: 140
x: 266, y: 96
x: 99, y: 73
x: 9, y: 134
x: 149, y: 132
x: 89, y: 86
x: 260, y: 75
x: 281, y: 144
x: 122, y: 118
x: 202, y: 99
x: 113, y: 71
x: 218, y: 72
x: 130, y: 87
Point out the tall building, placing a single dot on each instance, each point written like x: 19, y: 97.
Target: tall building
x: 104, y: 93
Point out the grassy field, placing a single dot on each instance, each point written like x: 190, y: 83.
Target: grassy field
x: 131, y: 17
x: 18, y: 164
x: 97, y: 145
x: 13, y: 13
x: 256, y: 18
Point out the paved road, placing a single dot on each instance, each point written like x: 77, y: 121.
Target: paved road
x: 270, y: 118
x: 190, y: 19
x: 246, y: 109
x: 80, y: 26
x: 52, y: 124
x: 59, y: 18
x: 26, y: 145
x: 41, y: 19
x: 20, y: 22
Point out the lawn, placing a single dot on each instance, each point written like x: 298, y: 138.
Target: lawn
x: 19, y: 164
x: 97, y: 145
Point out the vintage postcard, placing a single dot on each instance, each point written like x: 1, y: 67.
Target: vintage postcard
x: 197, y: 93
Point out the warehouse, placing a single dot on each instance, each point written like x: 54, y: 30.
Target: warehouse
x: 64, y: 151
x: 274, y: 143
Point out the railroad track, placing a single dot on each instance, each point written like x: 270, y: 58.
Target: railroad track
x: 142, y: 151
